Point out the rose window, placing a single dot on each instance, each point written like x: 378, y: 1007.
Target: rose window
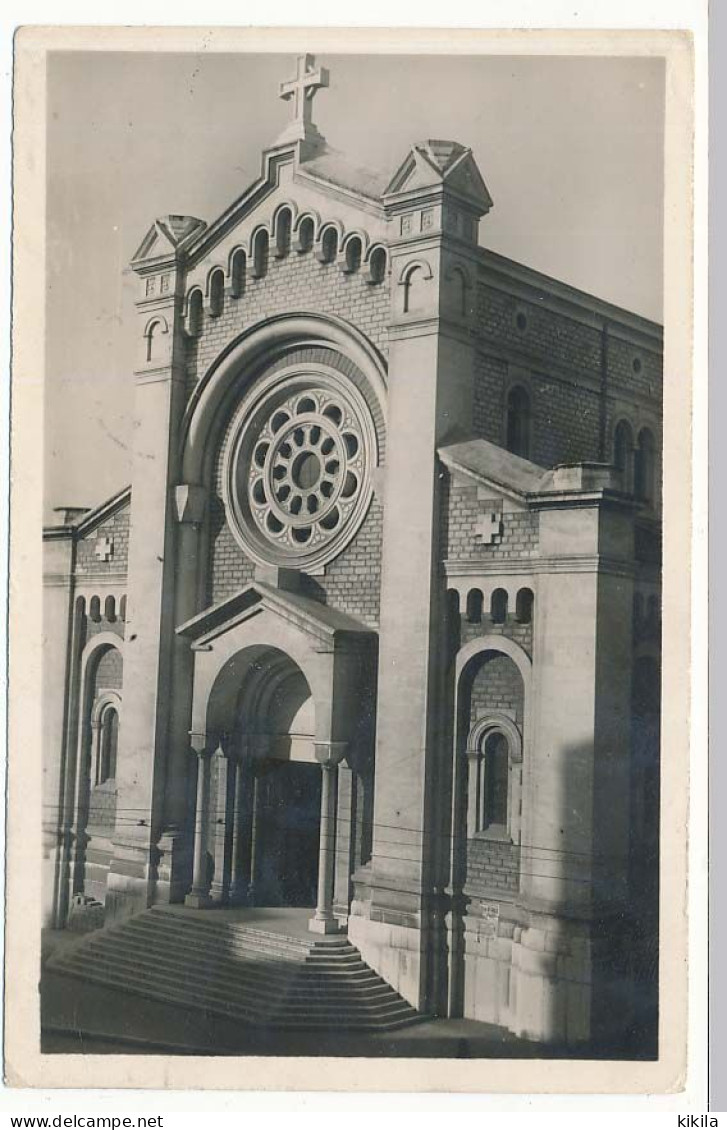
x: 300, y: 473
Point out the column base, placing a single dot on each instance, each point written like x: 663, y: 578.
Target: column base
x: 324, y: 926
x: 198, y: 901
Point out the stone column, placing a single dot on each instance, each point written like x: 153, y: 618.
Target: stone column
x: 222, y: 828
x: 346, y: 833
x: 242, y: 812
x: 255, y: 834
x: 328, y: 755
x: 199, y: 897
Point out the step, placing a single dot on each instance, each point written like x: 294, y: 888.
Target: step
x: 239, y: 972
x: 155, y: 944
x: 219, y: 937
x: 228, y: 928
x: 206, y: 982
x: 293, y: 1019
x: 207, y: 996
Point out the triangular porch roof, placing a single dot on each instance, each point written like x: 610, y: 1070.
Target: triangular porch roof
x: 314, y: 619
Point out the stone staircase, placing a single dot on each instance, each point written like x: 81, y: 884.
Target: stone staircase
x: 238, y: 971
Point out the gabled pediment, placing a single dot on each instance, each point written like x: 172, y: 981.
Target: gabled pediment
x: 167, y: 235
x: 315, y: 620
x: 432, y: 163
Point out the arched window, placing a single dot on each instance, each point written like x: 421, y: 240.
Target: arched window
x: 238, y: 270
x: 414, y: 290
x: 122, y: 608
x: 474, y: 606
x: 623, y: 450
x: 524, y: 606
x: 496, y: 766
x: 353, y: 255
x: 517, y: 439
x: 108, y: 744
x: 110, y: 609
x: 194, y: 313
x: 94, y: 609
x: 217, y: 293
x: 498, y: 606
x: 260, y: 252
x: 377, y: 265
x: 644, y: 466
x: 282, y: 233
x: 306, y: 232
x: 329, y: 245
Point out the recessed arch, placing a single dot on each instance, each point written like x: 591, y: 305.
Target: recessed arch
x: 260, y: 244
x: 352, y: 254
x: 329, y: 240
x: 237, y: 271
x: 304, y: 235
x: 194, y: 312
x: 265, y: 340
x: 377, y: 263
x: 155, y: 327
x: 282, y: 229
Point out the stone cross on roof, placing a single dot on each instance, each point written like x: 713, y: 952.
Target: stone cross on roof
x: 302, y: 90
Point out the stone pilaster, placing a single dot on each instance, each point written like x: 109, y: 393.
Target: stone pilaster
x: 144, y: 737
x: 576, y: 784
x: 433, y: 205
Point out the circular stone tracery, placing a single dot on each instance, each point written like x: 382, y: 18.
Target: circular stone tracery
x: 299, y: 472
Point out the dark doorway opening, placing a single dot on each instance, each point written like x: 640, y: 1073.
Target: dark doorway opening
x: 290, y: 821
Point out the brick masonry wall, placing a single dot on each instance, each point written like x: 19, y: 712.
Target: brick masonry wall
x: 512, y: 629
x: 564, y: 412
x: 497, y: 685
x: 110, y: 671
x: 117, y: 528
x: 488, y: 412
x: 352, y: 580
x: 294, y: 284
x: 492, y: 867
x: 460, y: 509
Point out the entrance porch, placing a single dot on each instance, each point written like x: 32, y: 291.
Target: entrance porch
x: 282, y: 729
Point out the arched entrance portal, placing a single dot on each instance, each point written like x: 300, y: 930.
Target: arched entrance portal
x: 283, y: 688
x: 274, y: 728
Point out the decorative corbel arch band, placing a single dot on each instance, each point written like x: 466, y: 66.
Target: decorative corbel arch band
x: 285, y: 205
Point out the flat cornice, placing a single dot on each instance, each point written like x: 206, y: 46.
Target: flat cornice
x: 595, y: 311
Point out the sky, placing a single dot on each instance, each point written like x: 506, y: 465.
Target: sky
x: 571, y: 150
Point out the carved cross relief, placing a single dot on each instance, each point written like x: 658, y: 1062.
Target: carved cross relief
x: 488, y: 527
x: 104, y: 548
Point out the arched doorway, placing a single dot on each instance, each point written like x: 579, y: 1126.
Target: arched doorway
x: 265, y: 784
x: 275, y: 725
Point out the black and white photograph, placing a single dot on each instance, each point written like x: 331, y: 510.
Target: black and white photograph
x: 353, y: 462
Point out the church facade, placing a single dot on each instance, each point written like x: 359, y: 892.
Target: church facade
x: 375, y: 629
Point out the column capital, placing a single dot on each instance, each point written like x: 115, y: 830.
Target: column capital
x: 202, y: 744
x: 329, y: 754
